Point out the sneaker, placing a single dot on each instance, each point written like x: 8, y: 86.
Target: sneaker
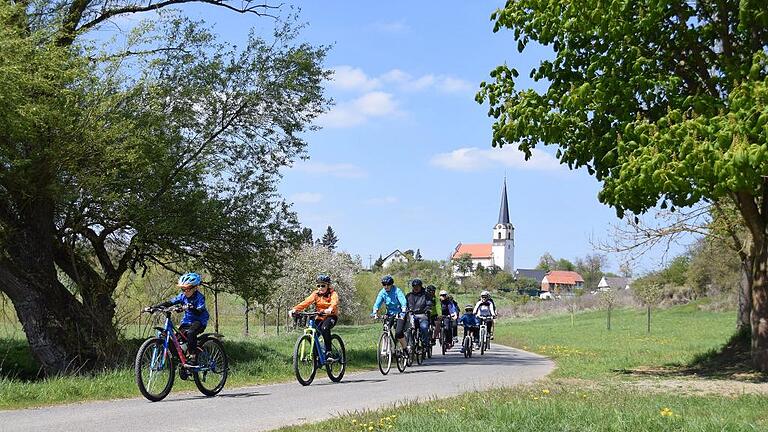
x: 434, y: 342
x: 455, y: 339
x: 491, y: 337
x: 461, y: 350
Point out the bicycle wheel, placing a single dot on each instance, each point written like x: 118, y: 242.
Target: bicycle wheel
x: 429, y: 349
x: 467, y: 345
x: 401, y: 357
x: 215, y: 368
x: 154, y: 377
x: 336, y: 364
x: 304, y: 360
x: 384, y: 353
x: 483, y: 336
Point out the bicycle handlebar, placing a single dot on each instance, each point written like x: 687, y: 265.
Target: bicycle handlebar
x: 173, y: 308
x: 307, y: 314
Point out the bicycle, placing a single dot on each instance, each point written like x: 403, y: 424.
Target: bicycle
x: 467, y: 343
x: 485, y: 337
x: 385, y: 351
x: 155, y: 366
x: 431, y: 336
x: 418, y: 350
x: 309, y: 353
x: 446, y: 334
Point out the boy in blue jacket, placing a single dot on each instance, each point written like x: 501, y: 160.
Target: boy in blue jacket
x: 195, y: 313
x: 471, y: 323
x: 396, y: 304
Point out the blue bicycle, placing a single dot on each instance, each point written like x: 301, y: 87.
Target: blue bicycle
x: 155, y: 361
x: 309, y: 353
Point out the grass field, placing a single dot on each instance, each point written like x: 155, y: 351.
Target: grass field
x: 591, y: 390
x: 253, y: 360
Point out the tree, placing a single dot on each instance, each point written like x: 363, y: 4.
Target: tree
x: 379, y: 263
x: 409, y: 254
x: 162, y: 149
x: 591, y: 268
x: 546, y: 262
x: 306, y: 236
x: 329, y: 239
x: 464, y: 263
x: 654, y: 124
x: 418, y: 257
x: 564, y: 264
x: 607, y: 299
x: 649, y: 291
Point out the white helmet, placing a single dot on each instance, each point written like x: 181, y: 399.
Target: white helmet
x: 443, y: 292
x: 485, y: 294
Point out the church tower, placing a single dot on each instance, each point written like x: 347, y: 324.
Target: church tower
x: 503, y: 248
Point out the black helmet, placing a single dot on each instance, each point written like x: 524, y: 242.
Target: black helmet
x: 431, y: 289
x: 323, y: 278
x: 416, y: 282
x: 387, y: 280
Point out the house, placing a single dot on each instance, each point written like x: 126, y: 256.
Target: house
x: 395, y: 257
x: 610, y: 282
x: 499, y: 253
x: 535, y: 274
x: 560, y: 281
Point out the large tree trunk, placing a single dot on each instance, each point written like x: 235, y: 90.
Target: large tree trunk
x: 760, y: 303
x: 745, y: 298
x: 63, y: 334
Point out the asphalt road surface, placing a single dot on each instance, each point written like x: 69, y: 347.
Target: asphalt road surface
x: 268, y: 407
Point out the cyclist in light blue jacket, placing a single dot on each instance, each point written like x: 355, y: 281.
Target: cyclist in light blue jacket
x: 394, y: 299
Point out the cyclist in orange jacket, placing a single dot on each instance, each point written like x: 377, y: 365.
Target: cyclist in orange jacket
x: 326, y: 301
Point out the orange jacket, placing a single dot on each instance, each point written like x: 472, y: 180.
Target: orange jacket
x: 322, y: 302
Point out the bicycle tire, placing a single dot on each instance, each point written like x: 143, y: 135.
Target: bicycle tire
x: 384, y: 353
x: 483, y: 335
x: 304, y: 348
x: 214, y: 357
x: 401, y: 360
x: 467, y: 347
x: 145, y: 386
x: 339, y: 353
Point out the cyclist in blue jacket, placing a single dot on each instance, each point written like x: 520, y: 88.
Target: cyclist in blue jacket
x: 195, y: 313
x: 471, y: 323
x: 394, y: 299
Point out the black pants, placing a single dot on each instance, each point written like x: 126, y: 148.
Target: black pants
x: 475, y: 331
x: 325, y: 327
x: 399, y: 328
x: 191, y: 331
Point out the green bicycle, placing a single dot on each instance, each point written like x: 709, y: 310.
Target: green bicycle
x: 309, y: 354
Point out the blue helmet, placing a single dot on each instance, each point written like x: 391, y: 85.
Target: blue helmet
x: 387, y: 280
x: 323, y: 278
x: 188, y: 279
x: 416, y: 282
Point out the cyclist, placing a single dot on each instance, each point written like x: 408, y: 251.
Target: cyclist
x: 195, y: 315
x: 487, y: 309
x: 394, y: 299
x: 419, y: 304
x: 326, y: 302
x: 471, y: 324
x: 448, y: 312
x: 433, y: 315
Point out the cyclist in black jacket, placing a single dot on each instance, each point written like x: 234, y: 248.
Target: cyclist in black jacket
x: 420, y: 304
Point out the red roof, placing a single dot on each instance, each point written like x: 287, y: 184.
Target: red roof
x: 564, y: 277
x: 477, y: 250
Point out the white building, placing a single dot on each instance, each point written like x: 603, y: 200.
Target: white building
x: 500, y: 252
x: 395, y: 256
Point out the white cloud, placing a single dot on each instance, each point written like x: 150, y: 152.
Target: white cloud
x: 306, y: 197
x: 342, y: 170
x: 475, y: 159
x: 381, y: 200
x: 358, y: 111
x: 394, y: 27
x: 351, y: 78
x: 454, y: 85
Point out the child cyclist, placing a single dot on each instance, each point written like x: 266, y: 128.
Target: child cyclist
x: 326, y: 302
x: 195, y: 315
x: 471, y: 323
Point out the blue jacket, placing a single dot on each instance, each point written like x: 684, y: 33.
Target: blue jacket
x: 199, y: 313
x: 469, y: 320
x: 394, y: 299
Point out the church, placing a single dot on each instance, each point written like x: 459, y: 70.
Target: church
x: 499, y: 253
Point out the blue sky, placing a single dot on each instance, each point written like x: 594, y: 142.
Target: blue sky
x: 404, y: 159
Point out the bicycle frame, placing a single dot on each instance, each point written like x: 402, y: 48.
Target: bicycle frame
x: 168, y: 333
x: 311, y: 331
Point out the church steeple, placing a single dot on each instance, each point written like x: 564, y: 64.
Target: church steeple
x: 504, y: 210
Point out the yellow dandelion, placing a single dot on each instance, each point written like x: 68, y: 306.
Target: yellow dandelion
x: 665, y: 412
x: 545, y: 391
x: 370, y: 427
x: 354, y: 421
x: 535, y: 398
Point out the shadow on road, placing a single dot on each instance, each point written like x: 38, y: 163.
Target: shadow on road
x: 352, y: 381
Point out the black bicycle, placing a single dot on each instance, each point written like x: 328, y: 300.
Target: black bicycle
x: 467, y: 343
x: 418, y: 350
x: 389, y: 347
x: 446, y: 334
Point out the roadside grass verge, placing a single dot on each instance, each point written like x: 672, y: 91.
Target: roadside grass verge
x: 593, y: 387
x: 254, y: 360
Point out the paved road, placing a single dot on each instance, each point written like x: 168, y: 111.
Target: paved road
x: 271, y: 406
